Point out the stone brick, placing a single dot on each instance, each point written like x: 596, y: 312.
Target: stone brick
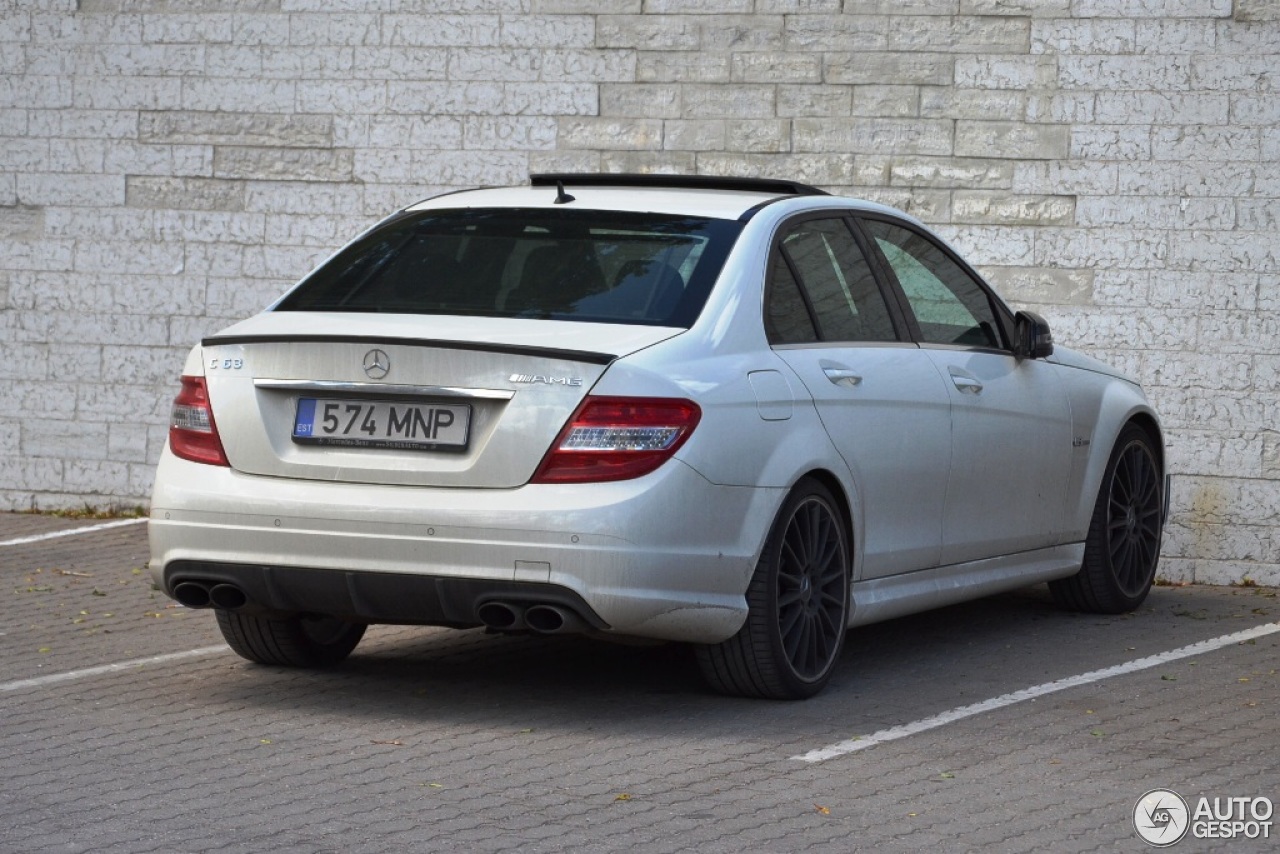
x: 1083, y: 36
x: 1258, y: 214
x: 1117, y: 73
x: 1225, y: 251
x: 682, y: 67
x: 745, y: 101
x: 1197, y: 178
x: 1010, y: 139
x: 889, y: 67
x: 294, y: 164
x: 21, y: 223
x: 300, y: 197
x: 931, y: 205
x: 636, y: 134
x: 1164, y: 108
x: 1034, y: 8
x: 551, y: 31
x: 469, y: 31
x: 208, y: 194
x: 946, y: 172
x: 649, y: 162
x: 1005, y: 72
x: 886, y: 101
x: 1123, y: 248
x: 1151, y: 8
x: 1256, y: 10
x: 960, y: 34
x: 335, y: 29
x: 845, y: 33
x: 938, y: 102
x: 814, y: 100
x: 775, y: 67
x: 873, y: 136
x: 1111, y: 142
x: 649, y: 100
x: 231, y: 95
x: 1236, y: 291
x: 647, y: 32
x: 1154, y: 212
x: 992, y: 245
x: 741, y: 32
x: 1042, y: 285
x: 821, y: 170
x: 1000, y: 208
x: 495, y: 133
x: 698, y: 7
x: 76, y: 190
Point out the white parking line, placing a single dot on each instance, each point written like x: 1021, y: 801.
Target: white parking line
x: 84, y: 673
x: 894, y: 733
x: 72, y: 531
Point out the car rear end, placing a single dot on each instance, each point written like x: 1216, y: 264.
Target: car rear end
x: 413, y: 434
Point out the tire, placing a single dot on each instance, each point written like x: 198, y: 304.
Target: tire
x: 289, y: 641
x: 798, y: 606
x: 1123, y: 545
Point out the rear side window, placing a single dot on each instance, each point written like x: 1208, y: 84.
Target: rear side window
x: 822, y: 288
x: 644, y: 269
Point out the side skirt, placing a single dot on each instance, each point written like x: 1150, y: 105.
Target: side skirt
x: 912, y: 592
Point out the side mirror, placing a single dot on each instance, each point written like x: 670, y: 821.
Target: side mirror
x: 1035, y: 341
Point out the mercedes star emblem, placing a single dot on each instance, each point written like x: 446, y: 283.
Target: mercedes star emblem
x: 376, y: 364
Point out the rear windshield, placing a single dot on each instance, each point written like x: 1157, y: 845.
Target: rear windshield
x: 645, y: 269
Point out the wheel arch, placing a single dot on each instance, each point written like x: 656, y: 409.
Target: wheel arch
x: 845, y: 505
x: 1120, y: 407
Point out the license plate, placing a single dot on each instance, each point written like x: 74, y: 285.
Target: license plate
x: 382, y: 424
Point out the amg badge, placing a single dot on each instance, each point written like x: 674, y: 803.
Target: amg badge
x: 572, y: 382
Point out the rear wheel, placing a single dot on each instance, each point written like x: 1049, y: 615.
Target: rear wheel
x: 1123, y: 544
x: 798, y: 606
x: 317, y: 641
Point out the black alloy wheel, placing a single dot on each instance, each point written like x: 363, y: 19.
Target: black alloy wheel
x: 798, y: 605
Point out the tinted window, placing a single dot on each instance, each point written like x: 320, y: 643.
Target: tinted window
x: 821, y: 257
x: 949, y: 305
x: 787, y: 319
x: 580, y: 265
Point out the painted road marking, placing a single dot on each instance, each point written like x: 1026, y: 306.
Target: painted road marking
x: 73, y: 531
x: 85, y: 673
x: 923, y: 725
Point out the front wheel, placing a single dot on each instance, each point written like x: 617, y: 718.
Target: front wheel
x: 311, y: 641
x: 1123, y: 544
x: 798, y: 606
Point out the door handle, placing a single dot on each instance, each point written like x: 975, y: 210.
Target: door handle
x: 966, y: 383
x: 843, y: 376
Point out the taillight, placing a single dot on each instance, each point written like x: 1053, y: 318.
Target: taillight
x: 618, y: 438
x: 192, y: 433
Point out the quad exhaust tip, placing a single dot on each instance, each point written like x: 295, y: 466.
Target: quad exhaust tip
x: 539, y: 618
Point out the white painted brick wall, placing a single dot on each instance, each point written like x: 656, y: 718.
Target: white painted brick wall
x: 169, y: 166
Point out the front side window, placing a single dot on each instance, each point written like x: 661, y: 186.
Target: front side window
x: 819, y: 269
x: 949, y: 305
x: 643, y: 269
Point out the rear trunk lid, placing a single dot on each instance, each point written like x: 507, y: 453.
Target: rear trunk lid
x: 404, y: 399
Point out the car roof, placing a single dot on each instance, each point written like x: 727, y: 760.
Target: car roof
x: 711, y: 203
x: 713, y: 197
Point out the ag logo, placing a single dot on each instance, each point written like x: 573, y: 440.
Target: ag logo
x: 1161, y: 817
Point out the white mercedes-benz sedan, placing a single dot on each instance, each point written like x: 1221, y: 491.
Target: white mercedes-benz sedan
x: 738, y: 413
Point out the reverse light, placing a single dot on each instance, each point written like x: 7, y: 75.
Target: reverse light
x: 193, y: 435
x: 618, y: 438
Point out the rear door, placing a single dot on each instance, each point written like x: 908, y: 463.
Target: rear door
x: 1011, y: 421
x: 880, y: 398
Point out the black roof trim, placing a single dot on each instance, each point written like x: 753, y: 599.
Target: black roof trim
x: 688, y: 182
x: 585, y: 356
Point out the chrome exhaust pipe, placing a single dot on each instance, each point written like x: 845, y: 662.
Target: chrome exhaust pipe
x: 552, y: 620
x: 501, y: 616
x: 193, y: 594
x: 228, y: 597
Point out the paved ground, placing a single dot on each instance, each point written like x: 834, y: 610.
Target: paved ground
x: 435, y: 740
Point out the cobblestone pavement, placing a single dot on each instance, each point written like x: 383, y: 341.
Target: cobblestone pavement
x: 437, y: 740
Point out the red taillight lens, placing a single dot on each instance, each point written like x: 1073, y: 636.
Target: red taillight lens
x: 618, y: 438
x: 192, y: 433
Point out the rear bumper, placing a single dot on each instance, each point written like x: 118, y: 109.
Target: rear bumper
x: 665, y: 556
